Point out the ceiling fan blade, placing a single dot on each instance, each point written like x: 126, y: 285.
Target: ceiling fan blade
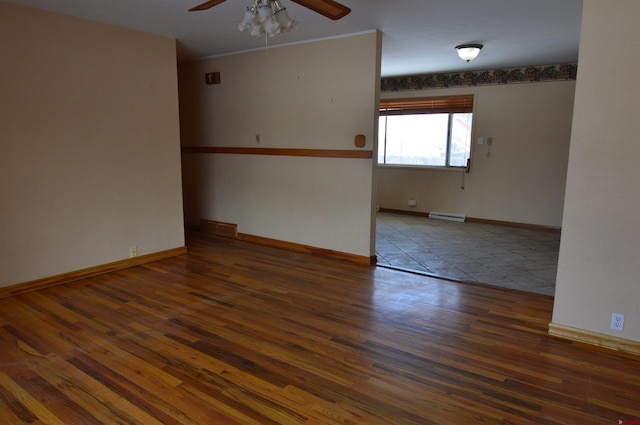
x: 206, y: 5
x: 329, y: 8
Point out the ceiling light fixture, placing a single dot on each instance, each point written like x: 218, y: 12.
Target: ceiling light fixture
x: 267, y: 17
x: 468, y: 52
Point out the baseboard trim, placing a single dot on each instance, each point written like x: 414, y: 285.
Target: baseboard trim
x: 481, y: 220
x: 515, y: 224
x: 230, y: 230
x: 313, y: 153
x: 60, y: 279
x: 290, y: 246
x: 582, y: 336
x: 405, y: 212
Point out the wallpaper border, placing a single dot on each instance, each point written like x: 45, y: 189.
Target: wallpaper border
x: 526, y: 74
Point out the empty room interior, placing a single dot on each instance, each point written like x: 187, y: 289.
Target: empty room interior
x: 319, y: 212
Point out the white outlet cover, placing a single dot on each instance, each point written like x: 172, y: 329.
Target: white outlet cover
x: 617, y: 321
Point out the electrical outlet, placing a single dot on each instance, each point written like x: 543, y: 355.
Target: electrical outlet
x: 258, y: 138
x: 133, y: 251
x: 617, y: 321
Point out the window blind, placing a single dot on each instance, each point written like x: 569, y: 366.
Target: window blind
x: 427, y: 105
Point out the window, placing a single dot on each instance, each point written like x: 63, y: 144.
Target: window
x: 425, y: 132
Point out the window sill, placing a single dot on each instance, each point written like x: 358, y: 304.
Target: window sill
x: 421, y: 168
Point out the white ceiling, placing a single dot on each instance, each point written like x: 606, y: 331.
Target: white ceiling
x: 419, y: 36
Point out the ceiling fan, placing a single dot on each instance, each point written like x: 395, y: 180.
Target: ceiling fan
x: 329, y: 8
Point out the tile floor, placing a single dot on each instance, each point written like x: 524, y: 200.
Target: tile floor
x: 515, y: 258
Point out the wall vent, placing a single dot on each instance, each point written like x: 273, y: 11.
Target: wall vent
x: 219, y: 228
x: 447, y: 216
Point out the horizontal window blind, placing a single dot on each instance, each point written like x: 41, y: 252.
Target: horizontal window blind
x: 427, y: 105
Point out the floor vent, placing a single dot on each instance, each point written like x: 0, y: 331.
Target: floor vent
x: 447, y: 216
x: 219, y: 228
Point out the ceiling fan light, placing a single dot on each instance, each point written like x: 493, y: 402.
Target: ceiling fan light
x: 468, y: 52
x: 268, y: 17
x: 264, y: 12
x: 271, y: 26
x: 277, y: 19
x: 248, y: 21
x: 286, y: 23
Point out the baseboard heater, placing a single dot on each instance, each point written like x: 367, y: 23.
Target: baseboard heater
x: 447, y: 216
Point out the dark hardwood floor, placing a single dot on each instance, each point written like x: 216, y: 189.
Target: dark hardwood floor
x: 236, y: 333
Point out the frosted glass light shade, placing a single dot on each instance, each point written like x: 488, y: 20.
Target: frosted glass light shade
x: 264, y: 12
x: 286, y: 23
x: 468, y: 52
x: 249, y: 21
x: 267, y: 17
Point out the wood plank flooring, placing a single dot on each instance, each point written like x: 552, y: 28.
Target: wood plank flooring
x: 235, y: 333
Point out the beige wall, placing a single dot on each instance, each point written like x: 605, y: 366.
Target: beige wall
x: 599, y: 264
x: 523, y: 178
x: 315, y: 95
x: 89, y: 144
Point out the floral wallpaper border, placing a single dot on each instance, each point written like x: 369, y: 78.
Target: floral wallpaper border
x: 527, y: 74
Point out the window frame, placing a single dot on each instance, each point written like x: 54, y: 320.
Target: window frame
x: 428, y: 105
